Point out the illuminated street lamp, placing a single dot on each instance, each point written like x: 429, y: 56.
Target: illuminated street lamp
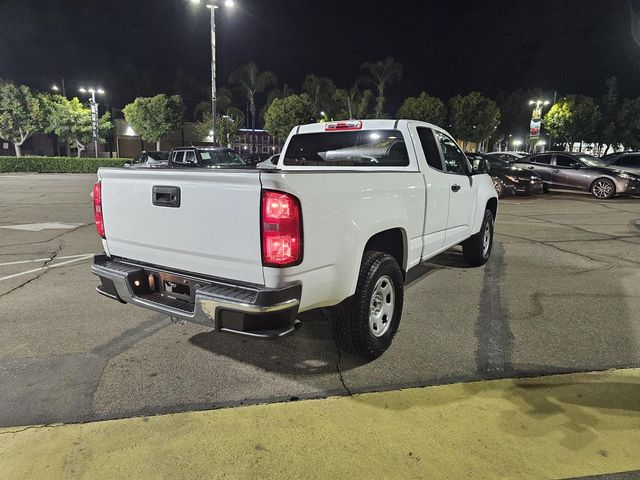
x: 94, y: 112
x: 516, y: 142
x: 212, y: 5
x: 57, y: 89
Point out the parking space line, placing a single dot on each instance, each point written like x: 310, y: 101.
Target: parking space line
x: 19, y: 262
x: 62, y: 264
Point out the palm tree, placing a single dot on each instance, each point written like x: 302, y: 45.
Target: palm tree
x: 355, y: 100
x: 251, y: 81
x: 321, y: 91
x: 380, y: 74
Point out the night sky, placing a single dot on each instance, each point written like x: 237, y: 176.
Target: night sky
x: 135, y: 47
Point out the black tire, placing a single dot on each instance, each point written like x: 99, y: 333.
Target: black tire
x: 603, y: 188
x: 498, y: 185
x: 473, y: 249
x: 352, y: 318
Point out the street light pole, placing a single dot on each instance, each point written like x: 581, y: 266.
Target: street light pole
x: 213, y: 71
x: 536, y: 119
x: 212, y: 7
x: 94, y: 114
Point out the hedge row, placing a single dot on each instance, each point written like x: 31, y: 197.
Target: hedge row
x: 57, y: 164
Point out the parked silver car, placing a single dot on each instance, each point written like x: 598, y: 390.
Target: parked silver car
x: 581, y: 172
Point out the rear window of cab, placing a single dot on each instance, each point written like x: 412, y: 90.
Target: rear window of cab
x: 362, y: 148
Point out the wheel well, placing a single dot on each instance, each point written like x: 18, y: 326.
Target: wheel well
x: 391, y: 242
x: 492, y: 205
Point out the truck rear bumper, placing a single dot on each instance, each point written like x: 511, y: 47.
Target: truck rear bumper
x: 223, y: 305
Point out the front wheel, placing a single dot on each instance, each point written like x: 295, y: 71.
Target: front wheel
x: 603, y: 188
x: 366, y: 323
x: 477, y: 249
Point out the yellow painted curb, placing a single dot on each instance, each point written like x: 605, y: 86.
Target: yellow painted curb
x: 551, y: 427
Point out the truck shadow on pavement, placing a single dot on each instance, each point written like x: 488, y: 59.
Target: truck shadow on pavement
x: 312, y: 350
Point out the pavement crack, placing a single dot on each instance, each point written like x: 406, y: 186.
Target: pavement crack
x: 550, y: 244
x: 50, y: 239
x: 40, y: 274
x: 339, y: 362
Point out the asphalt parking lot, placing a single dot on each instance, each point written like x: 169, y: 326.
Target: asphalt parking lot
x: 559, y: 294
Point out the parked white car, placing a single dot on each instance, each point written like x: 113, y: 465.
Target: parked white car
x: 349, y: 209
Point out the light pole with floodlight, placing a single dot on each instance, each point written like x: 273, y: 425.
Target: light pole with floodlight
x: 212, y: 5
x: 535, y: 129
x: 94, y: 113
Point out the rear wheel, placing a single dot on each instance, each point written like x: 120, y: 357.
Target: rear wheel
x: 477, y: 249
x: 366, y: 323
x: 603, y: 188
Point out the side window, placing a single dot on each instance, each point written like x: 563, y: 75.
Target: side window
x: 430, y: 148
x: 178, y: 157
x: 541, y: 159
x: 564, y: 161
x: 190, y: 157
x: 454, y: 159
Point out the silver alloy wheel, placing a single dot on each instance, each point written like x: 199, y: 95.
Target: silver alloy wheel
x: 486, y: 239
x: 602, y: 189
x: 383, y: 301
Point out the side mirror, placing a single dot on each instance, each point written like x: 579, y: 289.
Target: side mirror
x: 481, y: 166
x: 575, y: 166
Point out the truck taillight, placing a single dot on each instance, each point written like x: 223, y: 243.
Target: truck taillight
x: 97, y: 208
x: 281, y: 229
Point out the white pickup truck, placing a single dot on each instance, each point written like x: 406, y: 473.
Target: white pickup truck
x: 349, y: 208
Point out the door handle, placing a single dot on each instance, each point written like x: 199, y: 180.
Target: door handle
x: 455, y: 188
x: 556, y: 171
x: 166, y: 196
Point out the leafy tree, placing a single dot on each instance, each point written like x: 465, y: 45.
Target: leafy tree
x: 558, y: 120
x: 286, y: 113
x: 321, y: 90
x: 227, y: 126
x: 154, y: 117
x: 424, y: 108
x: 352, y: 103
x: 380, y: 74
x: 574, y: 118
x: 251, y: 81
x: 72, y: 122
x: 22, y: 113
x: 473, y: 118
x: 628, y: 119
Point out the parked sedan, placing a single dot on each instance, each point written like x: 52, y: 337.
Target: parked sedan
x: 149, y: 160
x: 581, y: 172
x: 509, y: 156
x: 508, y: 179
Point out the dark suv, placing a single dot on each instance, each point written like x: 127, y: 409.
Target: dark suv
x: 580, y: 171
x: 205, y: 157
x: 627, y: 160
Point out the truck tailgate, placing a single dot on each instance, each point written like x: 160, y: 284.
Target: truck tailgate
x: 215, y: 230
